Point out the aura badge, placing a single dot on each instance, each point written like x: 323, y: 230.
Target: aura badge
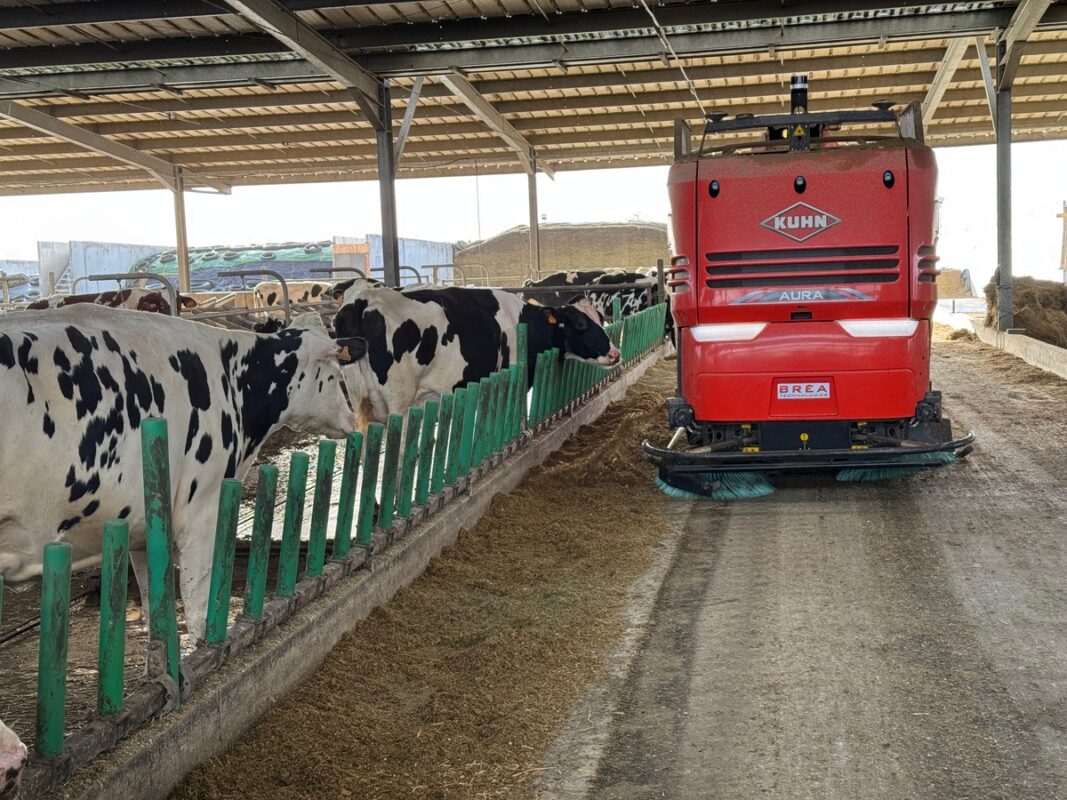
x: 800, y: 222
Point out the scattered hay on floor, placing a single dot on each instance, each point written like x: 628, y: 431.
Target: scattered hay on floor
x: 457, y: 686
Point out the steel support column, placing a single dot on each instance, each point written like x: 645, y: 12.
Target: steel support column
x: 535, y: 228
x: 1006, y: 318
x: 387, y: 187
x: 182, y: 243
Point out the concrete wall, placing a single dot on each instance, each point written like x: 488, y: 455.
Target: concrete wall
x: 593, y: 246
x: 413, y: 253
x: 87, y: 258
x: 1034, y: 352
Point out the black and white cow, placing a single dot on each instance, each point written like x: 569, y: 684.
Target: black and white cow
x: 13, y: 757
x: 632, y: 300
x: 75, y: 385
x: 151, y: 300
x: 427, y: 342
x: 268, y: 294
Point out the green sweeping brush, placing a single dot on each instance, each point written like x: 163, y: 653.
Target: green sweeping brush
x: 910, y: 464
x: 715, y: 485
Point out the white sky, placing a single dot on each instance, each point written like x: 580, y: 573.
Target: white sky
x: 451, y: 209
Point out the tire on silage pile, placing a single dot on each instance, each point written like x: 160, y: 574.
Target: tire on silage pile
x: 1040, y: 308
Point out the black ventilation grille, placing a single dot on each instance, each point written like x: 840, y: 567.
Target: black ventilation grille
x: 790, y: 267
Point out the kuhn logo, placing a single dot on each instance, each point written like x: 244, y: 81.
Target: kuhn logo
x: 800, y: 222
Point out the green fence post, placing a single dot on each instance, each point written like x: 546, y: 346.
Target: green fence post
x: 542, y: 385
x: 481, y: 429
x: 516, y: 402
x: 52, y: 651
x: 616, y: 308
x: 346, y: 501
x: 259, y: 551
x: 555, y: 384
x: 429, y: 424
x: 466, y: 440
x: 294, y: 520
x: 371, y: 456
x: 218, y: 607
x: 496, y: 386
x: 455, y: 440
x: 159, y: 541
x: 510, y: 409
x: 522, y: 360
x: 502, y: 417
x: 409, y: 463
x: 387, y: 506
x: 320, y: 508
x: 440, y: 450
x: 111, y: 656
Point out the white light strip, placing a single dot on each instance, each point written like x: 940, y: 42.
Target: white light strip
x: 871, y: 328
x: 728, y: 331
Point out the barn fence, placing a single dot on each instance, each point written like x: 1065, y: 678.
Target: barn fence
x: 424, y: 465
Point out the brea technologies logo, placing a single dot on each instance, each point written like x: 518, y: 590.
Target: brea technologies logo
x: 800, y: 222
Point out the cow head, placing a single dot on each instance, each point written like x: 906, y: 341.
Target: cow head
x: 153, y: 302
x: 319, y: 402
x: 13, y: 757
x: 582, y: 335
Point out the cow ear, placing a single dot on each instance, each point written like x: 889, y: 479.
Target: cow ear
x: 351, y: 349
x: 550, y: 315
x: 187, y: 302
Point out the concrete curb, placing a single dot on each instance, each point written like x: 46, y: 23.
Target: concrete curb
x: 1034, y: 352
x: 229, y: 701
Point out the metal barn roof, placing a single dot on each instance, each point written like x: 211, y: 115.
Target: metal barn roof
x: 586, y: 83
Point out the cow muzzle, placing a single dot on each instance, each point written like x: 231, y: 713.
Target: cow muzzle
x: 611, y: 359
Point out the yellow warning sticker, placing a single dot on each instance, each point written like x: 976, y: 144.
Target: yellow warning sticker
x: 798, y: 131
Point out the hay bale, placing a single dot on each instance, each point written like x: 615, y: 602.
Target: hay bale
x: 1040, y: 308
x: 954, y: 284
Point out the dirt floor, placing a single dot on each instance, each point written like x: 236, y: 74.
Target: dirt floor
x: 889, y: 640
x: 456, y: 687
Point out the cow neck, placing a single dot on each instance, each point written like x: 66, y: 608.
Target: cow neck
x: 259, y: 382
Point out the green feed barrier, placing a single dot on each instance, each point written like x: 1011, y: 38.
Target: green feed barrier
x: 391, y: 462
x: 52, y: 655
x: 440, y: 452
x: 459, y: 413
x: 371, y: 457
x: 409, y: 463
x: 159, y: 541
x: 294, y: 520
x: 429, y: 424
x: 259, y: 552
x: 218, y: 609
x: 346, y: 502
x: 320, y: 509
x: 111, y: 656
x: 466, y: 437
